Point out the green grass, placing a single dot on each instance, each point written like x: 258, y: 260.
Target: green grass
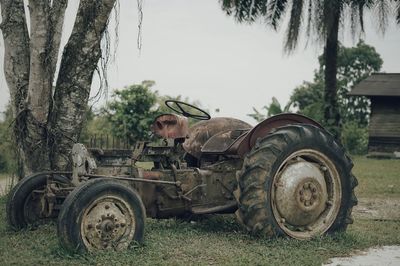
x: 377, y: 178
x: 216, y: 240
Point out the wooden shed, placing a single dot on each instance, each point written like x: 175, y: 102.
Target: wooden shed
x: 384, y: 127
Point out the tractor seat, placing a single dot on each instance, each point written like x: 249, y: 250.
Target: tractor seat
x: 170, y: 126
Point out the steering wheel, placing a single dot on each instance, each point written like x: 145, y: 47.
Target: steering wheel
x: 184, y: 109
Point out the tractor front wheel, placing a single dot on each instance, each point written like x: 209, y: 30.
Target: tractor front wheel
x: 296, y: 182
x: 101, y: 214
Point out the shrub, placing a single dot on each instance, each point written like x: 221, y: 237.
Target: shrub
x: 355, y: 138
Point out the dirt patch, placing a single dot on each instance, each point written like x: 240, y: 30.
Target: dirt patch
x: 386, y: 255
x: 377, y: 209
x: 380, y: 210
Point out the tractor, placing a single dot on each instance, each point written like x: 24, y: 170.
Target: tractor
x: 287, y: 176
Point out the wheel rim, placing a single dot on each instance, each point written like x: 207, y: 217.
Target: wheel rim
x: 306, y: 194
x: 33, y: 210
x: 36, y: 209
x: 108, y: 223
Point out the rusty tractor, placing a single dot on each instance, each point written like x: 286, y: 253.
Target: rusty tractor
x: 286, y: 176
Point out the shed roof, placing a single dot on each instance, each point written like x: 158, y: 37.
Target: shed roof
x: 378, y: 84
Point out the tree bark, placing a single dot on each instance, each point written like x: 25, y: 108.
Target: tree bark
x: 16, y: 48
x: 16, y: 69
x: 39, y: 89
x: 56, y: 18
x: 80, y: 58
x: 331, y: 107
x: 49, y: 122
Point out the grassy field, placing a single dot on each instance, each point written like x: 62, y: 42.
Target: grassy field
x: 218, y: 240
x: 377, y: 178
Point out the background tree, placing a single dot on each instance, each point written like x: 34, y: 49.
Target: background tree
x: 132, y: 111
x: 272, y: 109
x: 49, y: 109
x: 397, y: 11
x: 95, y: 124
x: 323, y: 21
x: 354, y: 64
x: 308, y: 98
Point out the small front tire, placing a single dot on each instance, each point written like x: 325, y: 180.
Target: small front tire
x: 101, y: 214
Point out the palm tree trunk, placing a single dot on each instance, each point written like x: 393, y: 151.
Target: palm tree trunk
x: 331, y: 107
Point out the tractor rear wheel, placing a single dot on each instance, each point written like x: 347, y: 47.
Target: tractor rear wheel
x: 101, y: 214
x: 296, y: 182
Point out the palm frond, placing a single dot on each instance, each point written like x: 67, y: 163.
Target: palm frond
x: 362, y: 5
x: 245, y: 10
x: 382, y: 11
x: 319, y: 24
x: 397, y: 11
x: 276, y: 9
x: 355, y: 12
x: 227, y: 6
x: 309, y: 18
x: 257, y: 8
x: 327, y: 12
x: 293, y: 28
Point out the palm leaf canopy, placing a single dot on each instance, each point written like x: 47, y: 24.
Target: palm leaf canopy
x: 319, y: 15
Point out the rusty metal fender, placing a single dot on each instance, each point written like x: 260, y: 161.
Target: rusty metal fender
x: 244, y: 144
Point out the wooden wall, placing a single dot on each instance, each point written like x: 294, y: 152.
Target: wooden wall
x: 384, y: 127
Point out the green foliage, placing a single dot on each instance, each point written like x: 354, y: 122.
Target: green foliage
x: 96, y: 123
x: 129, y: 114
x: 314, y: 18
x: 321, y: 21
x: 354, y: 65
x: 7, y: 149
x: 315, y: 111
x: 272, y: 109
x: 132, y: 111
x: 308, y: 99
x: 355, y: 138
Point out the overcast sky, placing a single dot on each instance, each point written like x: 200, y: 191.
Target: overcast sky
x: 191, y: 48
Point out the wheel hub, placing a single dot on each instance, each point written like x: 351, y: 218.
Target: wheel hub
x: 301, y: 193
x: 309, y: 194
x: 106, y: 225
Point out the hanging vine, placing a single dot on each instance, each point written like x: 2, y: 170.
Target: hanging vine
x: 140, y: 23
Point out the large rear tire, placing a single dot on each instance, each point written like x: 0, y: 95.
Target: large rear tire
x: 101, y: 214
x: 23, y: 207
x: 296, y: 182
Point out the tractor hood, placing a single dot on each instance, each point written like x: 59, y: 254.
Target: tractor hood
x: 219, y: 129
x: 231, y: 136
